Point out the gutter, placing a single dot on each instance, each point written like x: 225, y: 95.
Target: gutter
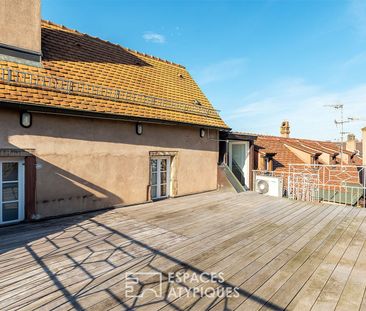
x: 98, y: 115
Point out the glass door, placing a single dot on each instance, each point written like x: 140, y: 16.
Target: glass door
x: 11, y: 194
x: 238, y: 155
x: 160, y: 177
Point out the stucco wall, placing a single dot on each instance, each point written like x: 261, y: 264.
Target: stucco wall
x: 86, y: 164
x: 20, y: 17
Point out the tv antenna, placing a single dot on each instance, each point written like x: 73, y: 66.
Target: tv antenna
x: 340, y: 123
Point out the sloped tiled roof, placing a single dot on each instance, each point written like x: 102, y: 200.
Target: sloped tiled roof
x: 79, y: 58
x: 284, y: 156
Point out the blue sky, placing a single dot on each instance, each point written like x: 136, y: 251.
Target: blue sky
x: 259, y: 62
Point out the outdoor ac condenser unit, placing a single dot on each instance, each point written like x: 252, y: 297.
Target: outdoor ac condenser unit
x: 269, y: 185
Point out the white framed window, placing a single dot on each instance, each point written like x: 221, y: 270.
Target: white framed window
x: 160, y: 177
x: 12, y: 190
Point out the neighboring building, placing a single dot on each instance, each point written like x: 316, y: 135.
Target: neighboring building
x: 352, y: 144
x: 276, y: 153
x: 311, y: 170
x: 245, y: 153
x: 86, y: 124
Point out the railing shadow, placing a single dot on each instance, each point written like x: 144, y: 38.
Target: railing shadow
x: 90, y: 265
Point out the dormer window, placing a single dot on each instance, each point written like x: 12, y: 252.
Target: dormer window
x: 268, y: 163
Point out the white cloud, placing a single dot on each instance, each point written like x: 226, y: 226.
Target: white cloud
x: 221, y: 71
x: 303, y: 105
x: 355, y: 60
x: 154, y: 37
x: 357, y: 12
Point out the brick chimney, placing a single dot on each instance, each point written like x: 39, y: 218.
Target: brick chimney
x: 364, y: 146
x: 20, y: 31
x: 351, y: 142
x: 285, y: 129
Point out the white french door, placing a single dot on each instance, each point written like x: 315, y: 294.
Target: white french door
x: 160, y: 177
x: 11, y: 191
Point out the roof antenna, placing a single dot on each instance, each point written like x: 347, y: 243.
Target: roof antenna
x: 341, y: 123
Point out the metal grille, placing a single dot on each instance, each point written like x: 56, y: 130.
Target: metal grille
x: 303, y: 186
x: 338, y: 184
x: 11, y: 76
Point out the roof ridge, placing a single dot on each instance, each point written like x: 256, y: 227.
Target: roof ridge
x: 292, y: 138
x: 115, y: 44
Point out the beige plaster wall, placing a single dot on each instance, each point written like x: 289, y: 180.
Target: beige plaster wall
x: 20, y: 24
x: 86, y: 164
x: 304, y: 156
x: 325, y: 158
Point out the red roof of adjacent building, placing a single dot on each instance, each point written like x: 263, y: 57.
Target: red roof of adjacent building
x: 285, y: 155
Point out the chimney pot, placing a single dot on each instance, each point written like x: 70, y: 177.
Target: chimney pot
x: 285, y: 129
x: 351, y: 142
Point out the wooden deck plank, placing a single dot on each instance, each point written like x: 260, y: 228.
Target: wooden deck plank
x: 307, y: 284
x: 247, y: 253
x: 242, y: 249
x: 261, y: 270
x: 352, y: 294
x: 280, y: 253
x: 193, y: 262
x: 332, y: 290
x: 314, y: 248
x: 167, y: 264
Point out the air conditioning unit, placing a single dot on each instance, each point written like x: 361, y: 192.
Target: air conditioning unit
x: 269, y: 185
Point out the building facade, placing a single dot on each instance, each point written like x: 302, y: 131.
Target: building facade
x: 86, y: 124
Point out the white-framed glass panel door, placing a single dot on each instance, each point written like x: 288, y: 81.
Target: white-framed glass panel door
x: 11, y: 191
x: 238, y: 161
x: 160, y: 177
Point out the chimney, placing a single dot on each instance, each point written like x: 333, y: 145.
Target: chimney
x: 285, y: 129
x: 351, y: 142
x: 364, y: 146
x: 20, y: 31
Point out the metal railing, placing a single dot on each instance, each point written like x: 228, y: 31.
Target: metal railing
x: 338, y: 184
x: 238, y: 172
x: 30, y: 79
x: 232, y: 178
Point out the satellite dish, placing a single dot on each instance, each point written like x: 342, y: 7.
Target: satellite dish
x: 262, y: 186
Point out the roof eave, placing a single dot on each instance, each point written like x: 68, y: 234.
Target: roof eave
x: 98, y: 115
x: 227, y: 134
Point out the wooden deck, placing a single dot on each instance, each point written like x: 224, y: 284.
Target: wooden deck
x: 275, y: 253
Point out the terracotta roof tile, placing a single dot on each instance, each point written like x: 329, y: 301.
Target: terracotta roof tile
x: 284, y: 156
x: 71, y: 55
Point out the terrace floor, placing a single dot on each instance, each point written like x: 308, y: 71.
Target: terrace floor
x: 265, y: 253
